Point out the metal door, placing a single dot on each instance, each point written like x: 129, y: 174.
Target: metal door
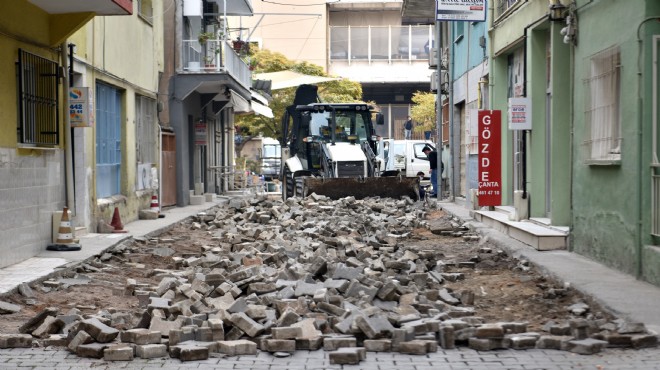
x: 169, y: 169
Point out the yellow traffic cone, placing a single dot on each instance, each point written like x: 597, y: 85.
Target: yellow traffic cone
x: 64, y: 241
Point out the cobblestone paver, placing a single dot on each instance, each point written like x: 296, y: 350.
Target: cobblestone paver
x: 455, y: 359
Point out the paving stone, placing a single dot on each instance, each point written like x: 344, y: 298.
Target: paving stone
x: 584, y: 346
x: 237, y: 347
x: 80, y: 338
x: 50, y: 325
x: 279, y: 345
x: 91, y: 350
x: 347, y: 356
x: 15, y: 341
x: 140, y: 336
x: 333, y: 343
x: 552, y: 341
x: 118, y: 352
x: 286, y: 332
x: 36, y: 320
x: 414, y: 347
x: 189, y: 352
x: 309, y: 344
x: 246, y: 324
x: 378, y: 345
x: 100, y: 332
x: 151, y: 351
x: 9, y: 308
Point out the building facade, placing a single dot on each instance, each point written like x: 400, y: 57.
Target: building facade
x: 37, y: 155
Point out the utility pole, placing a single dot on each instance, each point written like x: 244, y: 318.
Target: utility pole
x: 438, y: 123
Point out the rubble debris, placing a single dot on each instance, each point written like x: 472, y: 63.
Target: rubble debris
x: 311, y: 274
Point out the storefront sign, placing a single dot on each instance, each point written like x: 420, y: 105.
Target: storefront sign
x: 80, y: 107
x: 519, y: 114
x: 461, y: 10
x: 200, y: 133
x: 490, y: 166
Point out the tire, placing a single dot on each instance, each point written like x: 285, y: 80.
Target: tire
x: 289, y: 184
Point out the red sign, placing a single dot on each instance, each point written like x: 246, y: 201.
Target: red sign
x: 490, y: 165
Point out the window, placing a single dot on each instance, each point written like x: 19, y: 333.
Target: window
x: 108, y: 140
x: 459, y: 30
x: 145, y: 10
x: 602, y: 118
x: 38, y: 113
x: 147, y: 130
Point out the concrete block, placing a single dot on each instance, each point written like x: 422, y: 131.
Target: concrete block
x: 151, y: 351
x: 50, y: 325
x: 309, y: 344
x: 15, y: 341
x: 378, y: 345
x: 118, y: 352
x: 91, y: 350
x: 333, y: 343
x: 347, y: 356
x: 246, y: 324
x: 80, y: 338
x: 286, y: 332
x: 140, y: 336
x: 189, y: 352
x: 280, y: 345
x: 99, y: 331
x: 489, y: 331
x: 414, y: 347
x: 237, y: 347
x: 552, y: 341
x: 584, y: 346
x: 644, y: 341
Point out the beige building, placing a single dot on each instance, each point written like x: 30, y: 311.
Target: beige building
x: 364, y: 40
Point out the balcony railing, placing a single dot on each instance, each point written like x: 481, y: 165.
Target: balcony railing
x: 380, y: 43
x: 214, y: 56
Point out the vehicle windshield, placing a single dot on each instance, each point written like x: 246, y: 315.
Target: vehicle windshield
x: 272, y: 151
x: 348, y: 123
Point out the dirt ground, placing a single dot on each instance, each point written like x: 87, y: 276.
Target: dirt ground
x: 504, y: 289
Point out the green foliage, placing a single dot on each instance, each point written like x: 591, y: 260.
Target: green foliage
x: 423, y: 111
x: 337, y: 91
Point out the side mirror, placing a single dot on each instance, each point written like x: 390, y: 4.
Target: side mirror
x: 380, y: 119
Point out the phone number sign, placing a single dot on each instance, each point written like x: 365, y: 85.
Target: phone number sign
x: 490, y: 160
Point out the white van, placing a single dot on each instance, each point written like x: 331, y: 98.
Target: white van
x: 404, y: 156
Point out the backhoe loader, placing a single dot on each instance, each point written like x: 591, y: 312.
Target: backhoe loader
x: 328, y: 149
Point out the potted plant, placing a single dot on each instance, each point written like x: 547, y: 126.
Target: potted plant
x: 205, y: 36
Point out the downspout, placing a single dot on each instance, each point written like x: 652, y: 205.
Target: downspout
x: 68, y: 144
x: 640, y: 152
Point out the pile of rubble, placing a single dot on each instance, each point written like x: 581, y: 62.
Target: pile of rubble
x: 311, y: 274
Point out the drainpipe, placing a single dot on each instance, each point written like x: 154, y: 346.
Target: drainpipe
x: 68, y: 144
x: 640, y: 152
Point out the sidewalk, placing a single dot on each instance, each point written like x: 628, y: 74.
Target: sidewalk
x: 45, y: 264
x: 619, y: 293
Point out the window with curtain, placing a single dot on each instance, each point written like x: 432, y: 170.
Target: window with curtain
x: 602, y: 115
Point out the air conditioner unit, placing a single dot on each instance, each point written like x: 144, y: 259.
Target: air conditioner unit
x: 443, y: 82
x: 433, y: 58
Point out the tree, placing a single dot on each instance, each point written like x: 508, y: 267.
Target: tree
x: 336, y: 91
x: 423, y: 111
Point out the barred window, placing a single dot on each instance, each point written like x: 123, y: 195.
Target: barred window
x: 602, y: 113
x: 38, y: 113
x: 147, y: 130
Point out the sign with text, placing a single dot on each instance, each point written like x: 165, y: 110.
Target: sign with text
x: 490, y: 165
x: 80, y: 107
x: 519, y: 114
x: 200, y: 133
x: 460, y: 10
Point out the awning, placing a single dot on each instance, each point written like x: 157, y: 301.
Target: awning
x: 262, y: 109
x: 284, y: 79
x: 239, y: 103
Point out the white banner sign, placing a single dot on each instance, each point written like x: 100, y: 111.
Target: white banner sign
x: 460, y: 10
x: 520, y: 114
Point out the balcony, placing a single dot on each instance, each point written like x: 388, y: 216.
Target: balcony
x: 98, y: 7
x: 214, y: 56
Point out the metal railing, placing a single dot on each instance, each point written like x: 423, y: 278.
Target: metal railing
x: 214, y: 56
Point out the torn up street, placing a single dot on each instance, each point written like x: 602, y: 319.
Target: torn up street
x: 346, y: 277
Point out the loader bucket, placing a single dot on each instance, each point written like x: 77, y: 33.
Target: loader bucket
x: 389, y: 187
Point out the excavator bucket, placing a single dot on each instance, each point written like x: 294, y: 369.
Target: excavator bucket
x: 390, y: 187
